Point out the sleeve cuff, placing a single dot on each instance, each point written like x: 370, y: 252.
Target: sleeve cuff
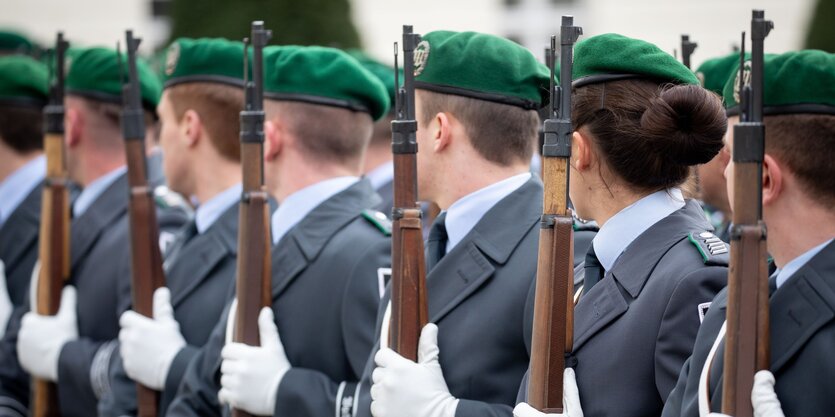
x: 9, y: 407
x: 100, y: 369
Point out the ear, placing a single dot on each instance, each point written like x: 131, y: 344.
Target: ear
x: 74, y: 123
x: 442, y: 133
x: 273, y: 139
x: 581, y: 151
x: 192, y: 128
x: 772, y: 180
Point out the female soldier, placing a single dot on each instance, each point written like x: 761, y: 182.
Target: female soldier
x: 641, y: 122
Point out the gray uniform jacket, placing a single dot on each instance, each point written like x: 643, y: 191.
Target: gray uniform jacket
x: 386, y: 192
x: 636, y: 327
x: 478, y: 297
x: 802, y: 318
x: 199, y: 272
x: 100, y: 271
x: 325, y: 292
x: 19, y: 245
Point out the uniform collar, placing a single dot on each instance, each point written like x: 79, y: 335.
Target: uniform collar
x: 19, y: 184
x: 208, y: 212
x: 381, y: 175
x: 297, y: 205
x: 629, y: 223
x: 784, y: 273
x: 465, y: 213
x: 91, y: 192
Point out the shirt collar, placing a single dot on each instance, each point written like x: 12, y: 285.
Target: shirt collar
x: 465, y: 213
x: 629, y: 223
x: 19, y: 184
x: 208, y: 212
x: 381, y: 175
x: 91, y: 192
x: 784, y: 273
x: 296, y: 206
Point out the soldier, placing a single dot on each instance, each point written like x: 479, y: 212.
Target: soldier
x: 329, y: 248
x: 798, y: 182
x: 476, y: 100
x: 641, y: 121
x: 74, y: 347
x: 199, y: 116
x: 23, y: 83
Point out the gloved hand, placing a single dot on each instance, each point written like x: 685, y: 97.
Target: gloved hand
x: 763, y: 396
x: 250, y: 375
x: 570, y: 400
x: 5, y: 302
x: 403, y: 388
x: 41, y: 338
x: 149, y: 345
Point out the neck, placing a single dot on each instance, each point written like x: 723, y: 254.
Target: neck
x: 12, y: 161
x: 797, y: 227
x: 471, y: 177
x: 610, y: 201
x: 93, y: 166
x: 294, y: 174
x: 377, y: 154
x: 215, y: 178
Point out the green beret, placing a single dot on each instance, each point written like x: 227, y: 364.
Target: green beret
x: 480, y: 66
x: 99, y: 73
x: 382, y: 71
x: 324, y: 76
x: 795, y: 83
x: 213, y: 60
x: 23, y: 81
x: 714, y: 73
x: 612, y: 57
x: 16, y: 43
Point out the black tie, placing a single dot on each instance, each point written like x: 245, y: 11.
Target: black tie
x: 594, y: 270
x: 436, y: 244
x: 772, y: 285
x: 186, y: 233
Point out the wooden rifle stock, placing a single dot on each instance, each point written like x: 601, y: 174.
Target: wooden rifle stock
x: 553, y: 325
x: 408, y: 266
x: 146, y: 260
x: 747, y: 338
x: 253, y: 284
x: 54, y: 239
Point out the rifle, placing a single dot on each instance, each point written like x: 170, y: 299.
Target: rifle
x: 687, y: 48
x: 553, y: 322
x: 253, y: 282
x: 408, y: 266
x: 747, y: 337
x: 146, y: 261
x: 54, y: 238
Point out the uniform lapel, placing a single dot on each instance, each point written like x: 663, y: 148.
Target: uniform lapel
x: 490, y: 244
x: 86, y: 229
x: 801, y: 306
x: 199, y: 257
x: 610, y: 297
x: 303, y: 243
x: 21, y: 228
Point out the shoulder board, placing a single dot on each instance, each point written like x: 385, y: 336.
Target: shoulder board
x: 713, y: 250
x: 379, y: 220
x: 165, y: 198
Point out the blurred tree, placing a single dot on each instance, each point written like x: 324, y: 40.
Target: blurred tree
x: 308, y: 22
x: 821, y: 33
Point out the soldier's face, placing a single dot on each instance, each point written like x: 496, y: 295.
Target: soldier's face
x: 729, y: 169
x: 171, y: 141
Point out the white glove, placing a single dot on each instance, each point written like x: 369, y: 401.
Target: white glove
x: 5, y: 301
x: 41, y: 338
x: 763, y: 396
x: 149, y: 345
x: 403, y: 388
x: 250, y: 375
x: 570, y: 400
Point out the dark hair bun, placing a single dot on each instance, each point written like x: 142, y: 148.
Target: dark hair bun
x: 687, y: 123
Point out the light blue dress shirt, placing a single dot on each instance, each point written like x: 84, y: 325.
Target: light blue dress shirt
x: 91, y: 192
x: 208, y: 212
x: 465, y: 213
x: 296, y: 206
x: 629, y: 223
x: 784, y: 273
x: 18, y: 185
x: 381, y: 175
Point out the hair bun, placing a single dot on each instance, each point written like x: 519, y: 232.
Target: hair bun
x: 687, y: 123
